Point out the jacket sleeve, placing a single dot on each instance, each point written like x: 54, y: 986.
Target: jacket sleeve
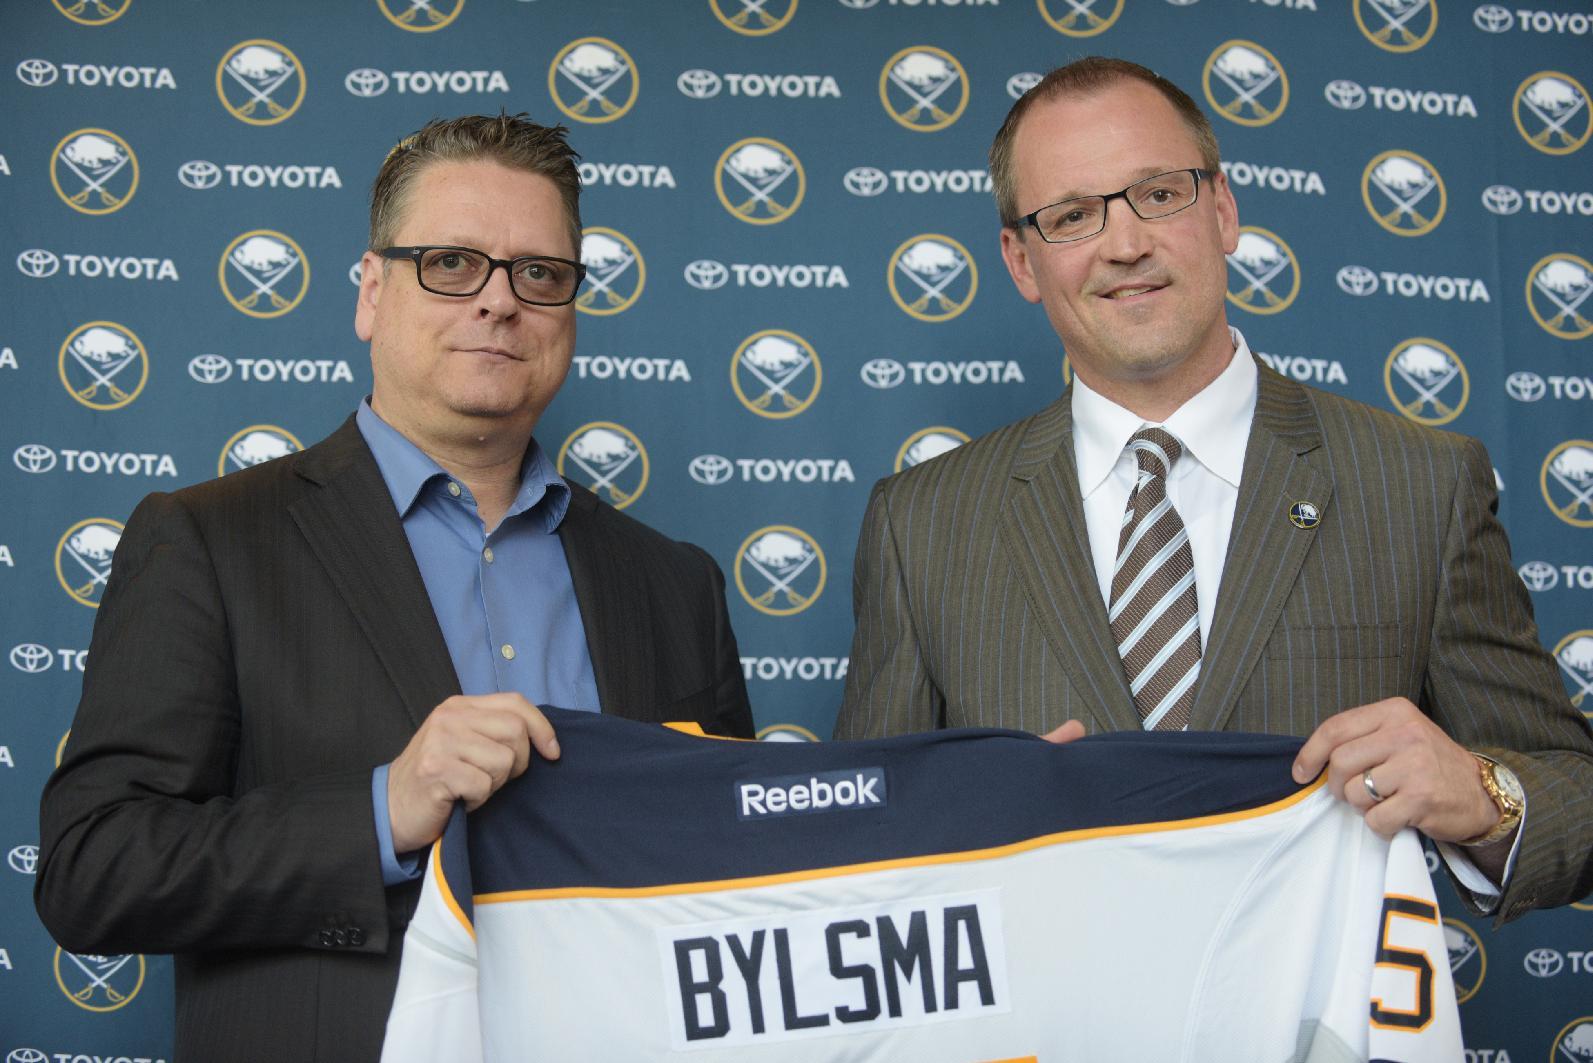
x: 732, y: 711
x: 148, y: 842
x: 1494, y: 689
x: 888, y: 687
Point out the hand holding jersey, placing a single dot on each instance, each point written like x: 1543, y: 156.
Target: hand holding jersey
x: 467, y: 748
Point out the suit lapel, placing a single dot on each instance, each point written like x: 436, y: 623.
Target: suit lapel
x: 1265, y: 549
x: 618, y: 621
x: 353, y: 529
x: 1042, y: 523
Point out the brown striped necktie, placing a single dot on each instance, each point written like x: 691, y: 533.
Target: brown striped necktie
x: 1154, y: 617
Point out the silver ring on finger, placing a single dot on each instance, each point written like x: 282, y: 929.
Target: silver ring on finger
x: 1371, y: 787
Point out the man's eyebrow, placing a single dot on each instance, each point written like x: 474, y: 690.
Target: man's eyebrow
x: 1134, y: 175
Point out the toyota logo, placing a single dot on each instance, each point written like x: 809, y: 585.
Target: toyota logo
x: 1491, y: 18
x: 209, y: 368
x: 858, y: 5
x: 864, y: 181
x: 1501, y: 199
x: 1018, y: 84
x: 30, y: 657
x: 199, y: 173
x: 24, y: 859
x: 1357, y: 280
x: 365, y: 82
x: 36, y: 72
x: 1543, y: 962
x: 710, y: 469
x: 882, y: 373
x: 1345, y: 95
x: 1539, y: 575
x: 706, y: 274
x: 37, y: 262
x: 1525, y: 386
x: 34, y: 457
x: 698, y: 84
x: 26, y: 1055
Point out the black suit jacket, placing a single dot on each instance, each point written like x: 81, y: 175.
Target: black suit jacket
x: 266, y: 640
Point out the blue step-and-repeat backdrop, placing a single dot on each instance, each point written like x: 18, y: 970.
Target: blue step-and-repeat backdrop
x: 795, y: 289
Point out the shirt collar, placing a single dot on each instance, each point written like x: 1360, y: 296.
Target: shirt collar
x: 406, y: 469
x: 1213, y: 426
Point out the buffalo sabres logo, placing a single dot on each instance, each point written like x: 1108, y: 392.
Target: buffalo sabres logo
x: 593, y: 80
x: 615, y: 272
x: 420, y: 16
x: 258, y: 267
x: 941, y: 277
x: 83, y: 559
x: 92, y: 12
x: 1569, y: 467
x: 760, y: 181
x: 1245, y: 83
x: 99, y: 983
x: 928, y: 443
x: 255, y: 444
x: 780, y: 570
x: 770, y: 373
x: 1305, y: 515
x: 1426, y: 381
x: 103, y: 365
x: 260, y: 82
x: 94, y: 171
x: 1397, y: 25
x: 607, y: 458
x: 1409, y: 195
x: 1081, y: 18
x: 1574, y: 1043
x: 1557, y: 286
x: 1552, y: 112
x: 786, y: 732
x: 923, y: 88
x: 1539, y: 576
x: 1468, y: 960
x: 754, y: 18
x: 1266, y: 271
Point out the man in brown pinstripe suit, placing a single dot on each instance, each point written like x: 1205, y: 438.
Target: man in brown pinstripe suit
x: 1324, y: 569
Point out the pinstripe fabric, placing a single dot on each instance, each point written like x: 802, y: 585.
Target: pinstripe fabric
x: 977, y: 605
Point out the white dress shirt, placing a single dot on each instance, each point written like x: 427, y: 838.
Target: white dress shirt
x: 1203, y: 486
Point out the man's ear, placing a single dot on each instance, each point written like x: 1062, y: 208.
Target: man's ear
x: 1015, y: 253
x: 372, y: 277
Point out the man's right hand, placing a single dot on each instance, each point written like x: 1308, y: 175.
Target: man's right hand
x: 466, y: 749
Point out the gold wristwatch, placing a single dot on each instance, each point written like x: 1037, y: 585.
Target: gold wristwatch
x: 1505, y: 789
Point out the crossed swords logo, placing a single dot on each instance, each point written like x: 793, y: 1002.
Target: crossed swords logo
x: 98, y: 574
x: 1579, y: 678
x: 102, y: 9
x: 754, y: 9
x: 1581, y: 494
x: 1569, y: 309
x: 1247, y: 96
x: 1393, y: 24
x: 417, y: 8
x: 102, y: 376
x: 779, y: 384
x: 925, y: 100
x: 781, y: 584
x: 1427, y: 394
x: 761, y: 193
x: 261, y: 94
x: 593, y: 91
x: 934, y: 291
x: 1405, y: 205
x: 92, y: 185
x: 263, y: 283
x: 602, y: 479
x: 1258, y: 285
x: 1551, y: 124
x: 1082, y: 11
x: 100, y: 974
x: 603, y: 283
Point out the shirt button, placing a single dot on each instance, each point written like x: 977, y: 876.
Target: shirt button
x: 487, y: 555
x: 508, y: 652
x: 453, y: 489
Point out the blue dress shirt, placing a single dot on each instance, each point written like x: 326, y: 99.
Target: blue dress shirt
x: 504, y: 600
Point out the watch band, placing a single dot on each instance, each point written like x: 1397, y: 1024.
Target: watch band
x: 1509, y: 806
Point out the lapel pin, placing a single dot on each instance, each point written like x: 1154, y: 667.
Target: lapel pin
x: 1304, y: 515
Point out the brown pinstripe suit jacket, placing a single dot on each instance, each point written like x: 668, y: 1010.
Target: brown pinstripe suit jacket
x: 977, y: 605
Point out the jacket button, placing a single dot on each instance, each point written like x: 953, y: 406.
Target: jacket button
x: 326, y: 938
x: 339, y: 938
x: 356, y: 936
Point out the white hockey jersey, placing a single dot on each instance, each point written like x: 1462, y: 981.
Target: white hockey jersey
x: 958, y: 896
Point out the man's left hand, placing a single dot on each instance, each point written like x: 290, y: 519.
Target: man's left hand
x: 1426, y: 779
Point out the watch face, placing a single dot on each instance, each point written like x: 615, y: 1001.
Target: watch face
x: 1509, y: 784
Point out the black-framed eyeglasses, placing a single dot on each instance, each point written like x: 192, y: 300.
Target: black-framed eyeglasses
x: 443, y: 269
x: 1150, y: 198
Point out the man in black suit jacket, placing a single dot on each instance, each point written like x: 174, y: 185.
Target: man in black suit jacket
x: 272, y: 717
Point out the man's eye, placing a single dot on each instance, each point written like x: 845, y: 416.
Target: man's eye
x: 450, y: 260
x: 536, y: 271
